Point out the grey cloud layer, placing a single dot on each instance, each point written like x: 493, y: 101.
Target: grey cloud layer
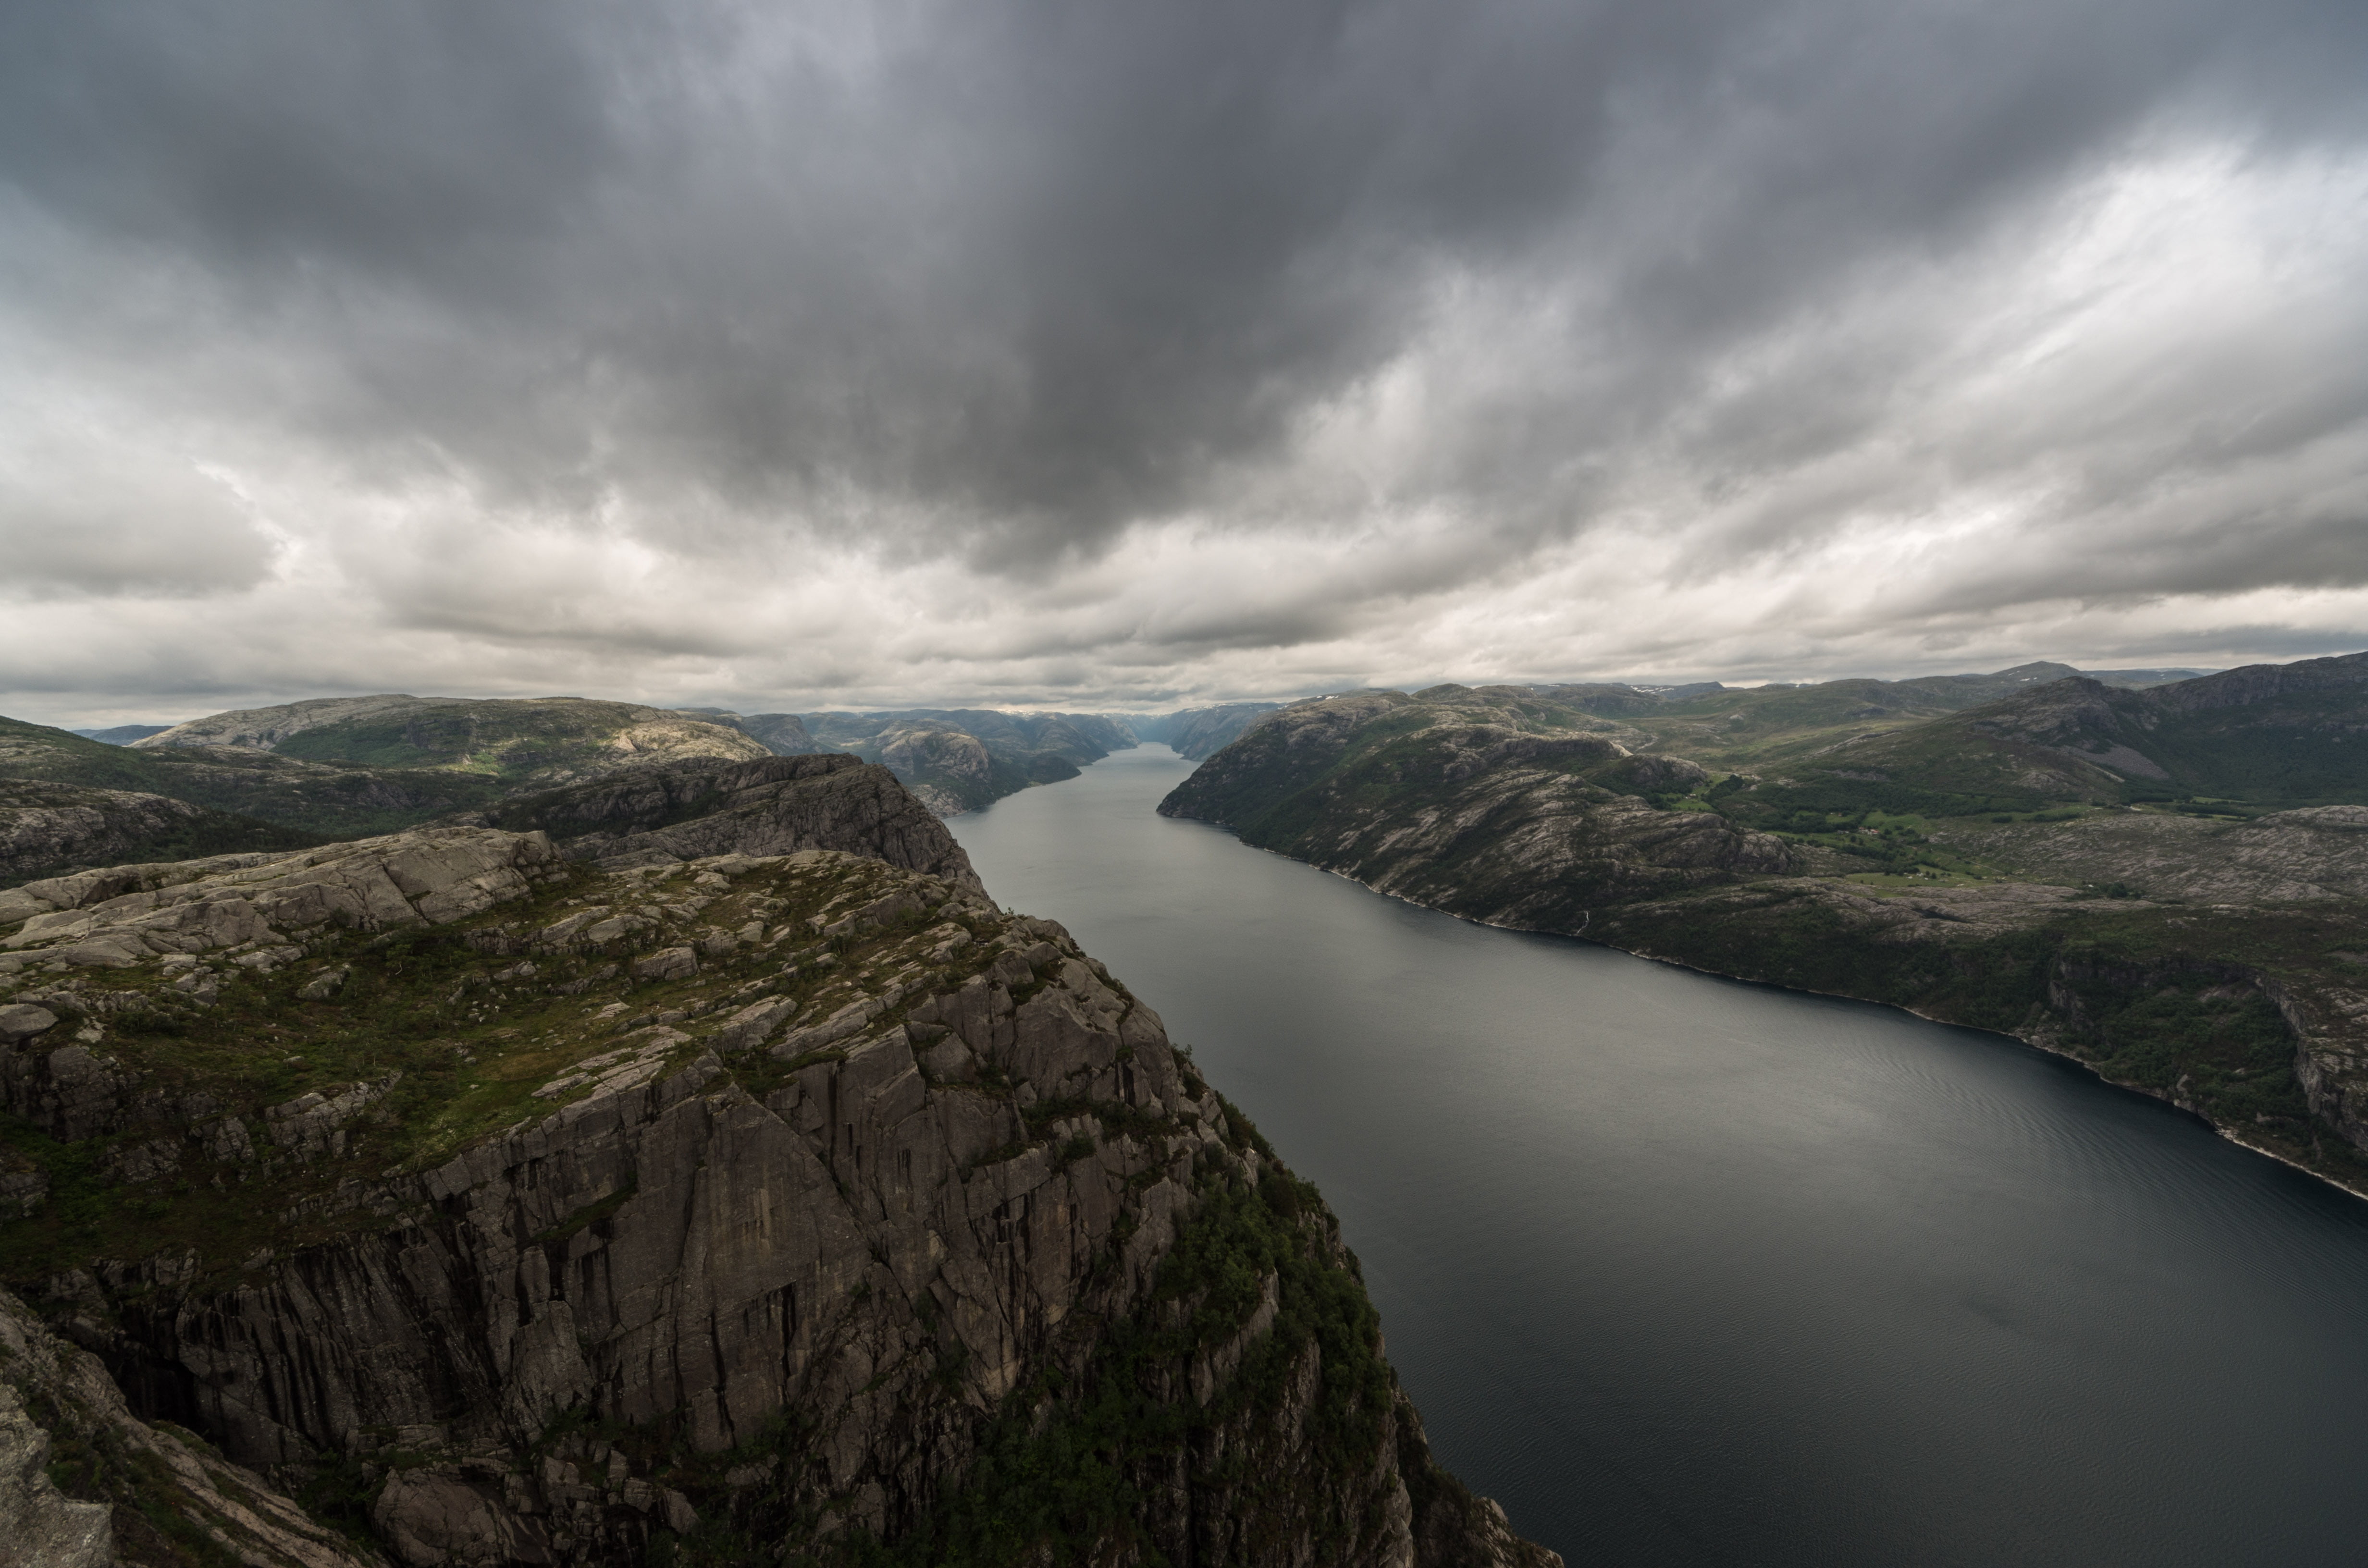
x: 1014, y: 284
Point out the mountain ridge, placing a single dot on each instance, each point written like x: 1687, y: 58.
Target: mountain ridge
x: 1977, y: 866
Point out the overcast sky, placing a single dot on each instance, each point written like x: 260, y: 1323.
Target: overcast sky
x: 1108, y: 355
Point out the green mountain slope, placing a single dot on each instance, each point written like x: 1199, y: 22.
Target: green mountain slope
x: 2268, y: 735
x: 534, y: 742
x: 1746, y: 727
x: 323, y: 801
x: 1985, y: 866
x: 343, y: 767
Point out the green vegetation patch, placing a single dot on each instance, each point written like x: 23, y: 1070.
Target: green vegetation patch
x: 432, y: 1021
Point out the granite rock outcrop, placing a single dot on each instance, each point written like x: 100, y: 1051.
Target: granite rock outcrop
x: 1487, y: 802
x: 957, y: 760
x: 142, y: 1493
x: 538, y: 1207
x: 47, y: 828
x: 773, y: 806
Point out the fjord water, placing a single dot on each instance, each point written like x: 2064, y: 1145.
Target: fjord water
x: 1688, y: 1271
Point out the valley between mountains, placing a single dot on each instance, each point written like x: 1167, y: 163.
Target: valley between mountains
x: 483, y: 1132
x: 312, y: 772
x: 681, y: 1161
x: 2164, y: 881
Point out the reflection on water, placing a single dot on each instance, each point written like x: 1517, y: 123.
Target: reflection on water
x: 1689, y: 1271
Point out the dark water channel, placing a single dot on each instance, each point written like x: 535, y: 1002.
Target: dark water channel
x: 1688, y: 1271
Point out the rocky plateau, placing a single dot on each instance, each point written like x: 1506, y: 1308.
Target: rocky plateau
x: 658, y: 1182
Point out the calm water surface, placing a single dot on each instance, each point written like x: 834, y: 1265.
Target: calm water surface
x: 1688, y: 1271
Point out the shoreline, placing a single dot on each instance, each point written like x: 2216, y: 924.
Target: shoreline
x: 2219, y: 1130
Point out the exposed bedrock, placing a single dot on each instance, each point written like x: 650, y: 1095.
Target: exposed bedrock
x: 775, y: 806
x: 859, y: 1200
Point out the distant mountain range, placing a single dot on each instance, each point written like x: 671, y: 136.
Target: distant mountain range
x: 122, y: 735
x: 1195, y: 732
x: 958, y: 759
x: 305, y: 773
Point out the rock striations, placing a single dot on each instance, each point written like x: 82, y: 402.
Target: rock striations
x: 156, y: 1494
x: 572, y: 1196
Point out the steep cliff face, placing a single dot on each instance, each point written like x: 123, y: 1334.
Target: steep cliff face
x: 948, y: 770
x: 139, y: 1493
x: 511, y: 1209
x: 779, y: 805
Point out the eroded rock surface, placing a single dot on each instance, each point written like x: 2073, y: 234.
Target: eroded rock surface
x: 133, y: 1491
x: 775, y: 806
x: 48, y: 827
x: 127, y: 914
x: 1487, y: 802
x: 774, y: 1199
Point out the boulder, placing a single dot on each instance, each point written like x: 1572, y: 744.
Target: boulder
x: 21, y: 1021
x: 666, y: 963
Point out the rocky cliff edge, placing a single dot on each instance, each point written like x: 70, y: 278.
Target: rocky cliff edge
x: 503, y: 1208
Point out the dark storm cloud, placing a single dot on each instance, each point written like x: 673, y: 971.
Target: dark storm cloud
x: 1007, y: 279
x: 1048, y: 267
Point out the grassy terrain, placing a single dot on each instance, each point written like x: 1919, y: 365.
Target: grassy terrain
x: 519, y: 740
x: 2198, y: 742
x: 424, y: 1003
x: 1751, y: 727
x: 325, y: 801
